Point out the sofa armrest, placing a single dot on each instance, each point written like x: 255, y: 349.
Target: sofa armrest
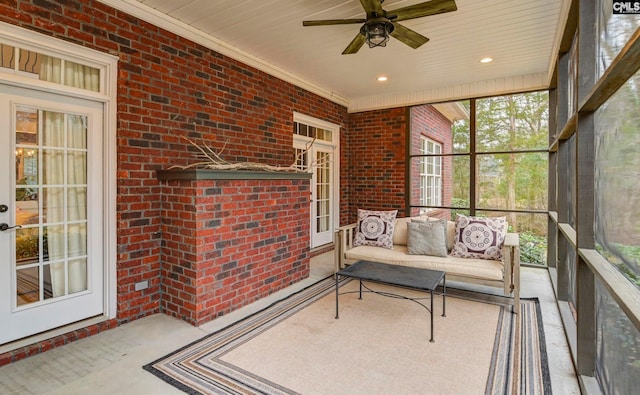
x: 343, y: 243
x: 511, y: 259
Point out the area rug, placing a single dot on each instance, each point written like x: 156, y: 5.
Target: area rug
x: 379, y: 345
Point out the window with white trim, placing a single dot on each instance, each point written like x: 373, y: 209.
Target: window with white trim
x: 430, y: 174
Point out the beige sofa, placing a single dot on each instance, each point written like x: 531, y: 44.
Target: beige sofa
x: 504, y: 274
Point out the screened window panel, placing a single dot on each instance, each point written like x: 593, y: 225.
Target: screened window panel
x: 571, y: 270
x: 450, y: 129
x: 513, y: 122
x: 617, y: 346
x: 617, y: 171
x: 569, y: 192
x: 613, y: 31
x: 461, y: 132
x: 512, y: 181
x: 532, y: 229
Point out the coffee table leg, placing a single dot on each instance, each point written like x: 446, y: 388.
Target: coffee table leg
x: 337, y: 316
x: 444, y: 294
x: 360, y: 290
x: 431, y: 314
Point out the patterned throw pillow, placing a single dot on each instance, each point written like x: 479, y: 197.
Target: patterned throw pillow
x: 480, y: 238
x: 375, y: 228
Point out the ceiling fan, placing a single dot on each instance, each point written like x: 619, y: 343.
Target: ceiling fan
x: 381, y: 24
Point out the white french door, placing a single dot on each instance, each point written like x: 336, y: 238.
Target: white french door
x: 51, y: 248
x: 322, y: 202
x: 319, y: 140
x: 319, y: 159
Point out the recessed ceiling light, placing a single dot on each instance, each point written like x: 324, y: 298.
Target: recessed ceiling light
x: 382, y: 78
x: 486, y: 60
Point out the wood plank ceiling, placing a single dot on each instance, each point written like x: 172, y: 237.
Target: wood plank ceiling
x: 521, y: 36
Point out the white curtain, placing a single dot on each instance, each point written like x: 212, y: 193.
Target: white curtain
x: 75, y: 75
x: 64, y: 178
x: 80, y: 76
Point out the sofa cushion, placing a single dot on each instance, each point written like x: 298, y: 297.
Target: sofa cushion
x: 462, y: 267
x: 480, y: 238
x: 427, y: 238
x: 400, y: 229
x: 375, y: 228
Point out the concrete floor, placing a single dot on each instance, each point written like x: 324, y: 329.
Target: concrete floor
x: 111, y: 362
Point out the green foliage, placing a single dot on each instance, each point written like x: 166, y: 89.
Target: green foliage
x: 508, y: 181
x: 625, y: 258
x: 27, y: 244
x: 533, y: 249
x: 23, y: 194
x: 463, y: 204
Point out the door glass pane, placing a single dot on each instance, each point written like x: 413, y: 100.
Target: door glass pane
x: 77, y: 203
x: 51, y: 204
x: 26, y: 126
x: 26, y: 166
x: 52, y: 207
x: 54, y: 124
x: 7, y: 56
x: 43, y: 67
x: 77, y: 135
x: 322, y: 192
x: 54, y: 248
x: 27, y: 286
x: 77, y: 275
x: 26, y: 206
x: 77, y: 240
x: 77, y: 165
x: 46, y: 282
x: 27, y: 246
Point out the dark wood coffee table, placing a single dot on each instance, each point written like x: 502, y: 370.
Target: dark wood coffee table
x: 402, y: 276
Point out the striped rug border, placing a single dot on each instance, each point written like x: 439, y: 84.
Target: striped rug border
x: 197, y: 369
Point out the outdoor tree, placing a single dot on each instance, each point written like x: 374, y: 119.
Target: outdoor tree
x: 507, y: 177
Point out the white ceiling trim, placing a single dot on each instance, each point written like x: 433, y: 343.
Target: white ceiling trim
x: 490, y: 87
x: 555, y: 53
x: 499, y: 86
x: 163, y: 21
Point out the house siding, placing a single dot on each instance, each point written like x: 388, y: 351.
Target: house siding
x: 428, y: 122
x: 374, y: 174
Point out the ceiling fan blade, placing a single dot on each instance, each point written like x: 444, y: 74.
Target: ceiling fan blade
x: 408, y: 36
x: 372, y: 7
x: 432, y: 7
x: 355, y: 45
x: 333, y: 22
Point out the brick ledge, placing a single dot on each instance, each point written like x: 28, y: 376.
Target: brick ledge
x: 207, y: 174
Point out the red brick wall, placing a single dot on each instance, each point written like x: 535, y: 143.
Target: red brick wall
x: 169, y: 88
x: 228, y: 243
x: 428, y: 122
x: 373, y: 163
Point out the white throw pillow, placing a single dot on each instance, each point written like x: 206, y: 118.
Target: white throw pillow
x: 375, y: 228
x: 478, y: 237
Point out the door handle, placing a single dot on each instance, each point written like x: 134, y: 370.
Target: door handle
x: 4, y: 227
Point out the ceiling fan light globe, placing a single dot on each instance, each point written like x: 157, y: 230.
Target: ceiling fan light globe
x: 377, y: 33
